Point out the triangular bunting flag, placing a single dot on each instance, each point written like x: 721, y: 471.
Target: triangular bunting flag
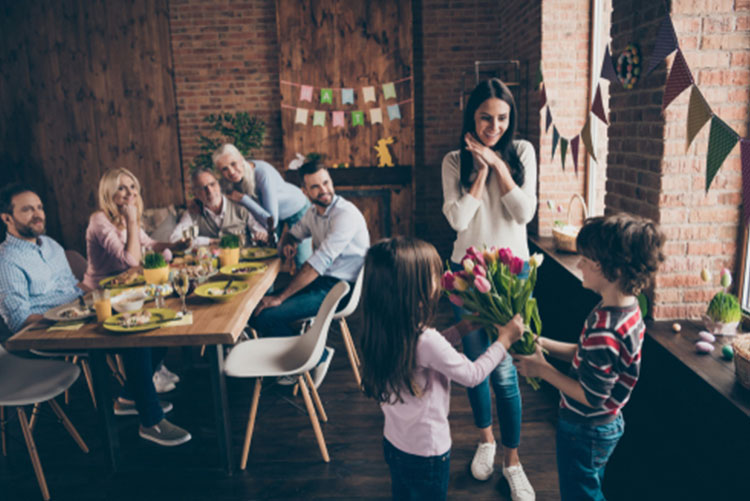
x: 666, y: 43
x: 326, y: 96
x: 608, y: 67
x: 389, y: 90
x: 301, y: 116
x: 376, y: 115
x: 319, y: 118
x: 393, y: 112
x: 678, y: 80
x: 745, y: 156
x: 574, y: 151
x: 338, y: 118
x: 721, y: 140
x: 305, y: 93
x: 555, y: 139
x: 542, y: 98
x: 539, y: 77
x: 549, y: 120
x: 358, y: 118
x: 698, y: 114
x: 368, y: 93
x: 597, y: 108
x: 347, y: 96
x: 586, y: 137
x: 563, y: 150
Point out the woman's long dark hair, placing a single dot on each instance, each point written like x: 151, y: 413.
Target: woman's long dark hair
x: 494, y: 87
x: 400, y: 296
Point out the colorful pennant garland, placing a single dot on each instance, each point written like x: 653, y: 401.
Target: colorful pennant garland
x: 597, y: 107
x: 563, y: 150
x: 745, y: 160
x: 678, y: 80
x: 338, y: 117
x: 608, y: 67
x: 666, y: 43
x: 721, y: 140
x: 698, y: 114
x: 574, y: 151
x: 555, y: 139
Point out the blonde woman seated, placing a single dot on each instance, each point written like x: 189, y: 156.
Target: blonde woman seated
x: 114, y: 239
x: 259, y: 187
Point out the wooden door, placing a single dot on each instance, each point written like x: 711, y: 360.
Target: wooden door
x: 353, y: 49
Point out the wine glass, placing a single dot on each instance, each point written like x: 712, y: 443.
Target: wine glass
x: 181, y: 284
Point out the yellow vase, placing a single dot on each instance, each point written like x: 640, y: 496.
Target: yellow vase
x: 156, y: 275
x: 228, y: 257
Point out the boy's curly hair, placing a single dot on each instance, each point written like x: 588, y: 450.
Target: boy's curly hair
x: 628, y: 249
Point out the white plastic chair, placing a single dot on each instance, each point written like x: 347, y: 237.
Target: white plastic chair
x: 347, y: 310
x: 287, y: 356
x: 25, y: 382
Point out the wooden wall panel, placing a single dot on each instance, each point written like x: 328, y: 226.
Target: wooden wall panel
x: 87, y: 85
x: 328, y: 43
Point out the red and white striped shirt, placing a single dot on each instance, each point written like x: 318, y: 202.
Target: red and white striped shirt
x: 607, y: 361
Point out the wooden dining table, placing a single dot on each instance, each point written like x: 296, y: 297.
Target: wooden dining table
x: 215, y: 323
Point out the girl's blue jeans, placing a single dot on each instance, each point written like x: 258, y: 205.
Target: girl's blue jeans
x: 582, y: 454
x: 504, y: 381
x: 417, y: 478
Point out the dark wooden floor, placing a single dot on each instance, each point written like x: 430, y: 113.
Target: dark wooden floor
x: 284, y: 463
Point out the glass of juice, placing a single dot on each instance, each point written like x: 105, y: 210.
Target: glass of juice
x: 102, y: 304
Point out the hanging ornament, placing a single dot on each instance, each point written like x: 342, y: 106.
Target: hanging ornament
x: 629, y: 66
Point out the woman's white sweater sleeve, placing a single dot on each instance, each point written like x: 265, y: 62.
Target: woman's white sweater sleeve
x: 521, y: 201
x: 458, y: 208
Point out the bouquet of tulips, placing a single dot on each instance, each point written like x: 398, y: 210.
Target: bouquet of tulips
x: 490, y: 288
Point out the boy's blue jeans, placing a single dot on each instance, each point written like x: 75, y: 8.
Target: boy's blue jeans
x: 582, y: 454
x: 417, y: 478
x: 140, y: 364
x: 304, y: 248
x: 504, y: 379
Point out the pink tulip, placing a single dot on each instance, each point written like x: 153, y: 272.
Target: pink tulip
x: 516, y: 265
x: 482, y: 284
x: 456, y: 300
x: 479, y: 271
x: 447, y: 280
x: 475, y: 255
x: 505, y: 255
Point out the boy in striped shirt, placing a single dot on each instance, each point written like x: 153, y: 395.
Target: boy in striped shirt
x: 619, y: 256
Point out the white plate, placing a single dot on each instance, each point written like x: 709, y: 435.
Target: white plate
x: 58, y: 314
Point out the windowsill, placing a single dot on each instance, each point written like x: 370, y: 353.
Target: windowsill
x: 567, y: 260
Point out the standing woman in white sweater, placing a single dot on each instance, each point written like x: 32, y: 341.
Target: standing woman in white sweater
x: 489, y: 196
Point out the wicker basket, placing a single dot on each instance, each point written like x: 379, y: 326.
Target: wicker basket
x: 565, y: 237
x: 741, y: 347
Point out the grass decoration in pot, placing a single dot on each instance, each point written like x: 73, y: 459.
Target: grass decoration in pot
x: 229, y: 250
x: 155, y: 268
x: 724, y: 313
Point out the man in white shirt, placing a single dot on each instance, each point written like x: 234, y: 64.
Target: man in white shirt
x: 215, y: 214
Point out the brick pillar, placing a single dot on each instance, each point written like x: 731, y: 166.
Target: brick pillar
x: 651, y: 173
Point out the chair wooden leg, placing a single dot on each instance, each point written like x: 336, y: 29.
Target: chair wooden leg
x: 31, y: 446
x: 115, y: 371
x: 34, y: 416
x: 316, y: 397
x: 314, y: 420
x: 68, y: 425
x: 2, y: 430
x: 89, y: 380
x: 121, y: 368
x: 203, y: 350
x: 254, y: 333
x: 350, y: 350
x: 295, y: 389
x: 251, y: 422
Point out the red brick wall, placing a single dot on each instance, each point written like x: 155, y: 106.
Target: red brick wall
x: 565, y: 64
x: 225, y: 59
x: 651, y: 174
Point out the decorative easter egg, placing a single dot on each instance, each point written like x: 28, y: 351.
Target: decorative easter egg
x: 707, y: 336
x: 727, y: 352
x: 676, y: 327
x: 704, y: 347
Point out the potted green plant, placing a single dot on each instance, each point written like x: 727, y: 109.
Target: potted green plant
x: 723, y: 314
x: 155, y: 268
x: 240, y: 128
x: 229, y: 250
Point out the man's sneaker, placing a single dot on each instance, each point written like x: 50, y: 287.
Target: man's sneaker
x: 320, y: 370
x: 161, y: 383
x: 125, y: 407
x: 168, y: 375
x: 165, y: 433
x: 483, y: 464
x: 520, y: 488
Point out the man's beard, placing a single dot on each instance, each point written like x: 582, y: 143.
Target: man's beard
x: 27, y: 231
x: 320, y: 203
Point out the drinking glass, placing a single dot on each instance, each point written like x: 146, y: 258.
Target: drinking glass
x: 181, y: 284
x: 102, y: 304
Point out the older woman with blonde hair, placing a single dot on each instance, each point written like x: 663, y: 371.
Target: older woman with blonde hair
x: 260, y: 188
x: 114, y: 239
